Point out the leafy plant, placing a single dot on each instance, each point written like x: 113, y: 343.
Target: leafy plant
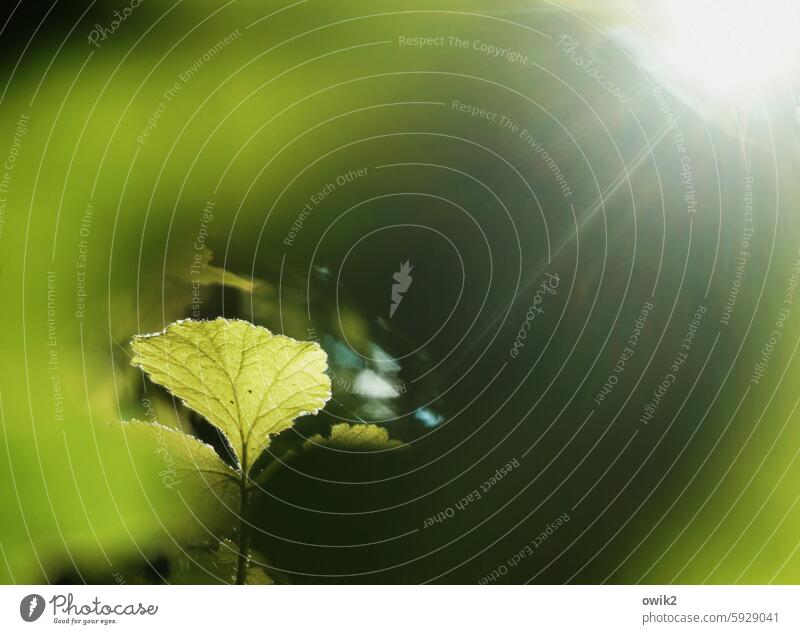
x: 250, y: 385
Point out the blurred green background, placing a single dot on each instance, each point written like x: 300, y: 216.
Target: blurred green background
x: 133, y: 148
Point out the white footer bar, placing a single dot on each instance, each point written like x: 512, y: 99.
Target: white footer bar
x: 401, y: 609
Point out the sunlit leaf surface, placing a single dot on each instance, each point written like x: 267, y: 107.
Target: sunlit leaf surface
x: 244, y: 380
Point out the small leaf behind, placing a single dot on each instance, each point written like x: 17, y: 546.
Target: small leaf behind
x: 356, y: 438
x: 210, y: 275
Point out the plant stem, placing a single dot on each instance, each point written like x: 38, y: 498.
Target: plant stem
x: 244, y: 533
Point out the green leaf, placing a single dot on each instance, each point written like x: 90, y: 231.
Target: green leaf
x: 356, y: 438
x: 246, y: 381
x: 209, y: 275
x: 189, y: 467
